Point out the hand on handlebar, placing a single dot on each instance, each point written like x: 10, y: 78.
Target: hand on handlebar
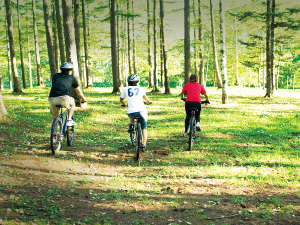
x: 123, y: 105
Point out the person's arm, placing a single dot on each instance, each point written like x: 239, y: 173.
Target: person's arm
x: 80, y: 94
x: 122, y: 102
x: 205, y: 95
x: 182, y: 92
x: 147, y: 100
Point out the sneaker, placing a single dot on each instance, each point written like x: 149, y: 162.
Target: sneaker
x: 143, y: 148
x: 71, y: 123
x: 198, y: 126
x: 131, y: 128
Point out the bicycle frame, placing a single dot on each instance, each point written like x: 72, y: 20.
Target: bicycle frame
x: 64, y: 119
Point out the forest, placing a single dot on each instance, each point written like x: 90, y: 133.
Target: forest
x: 243, y: 167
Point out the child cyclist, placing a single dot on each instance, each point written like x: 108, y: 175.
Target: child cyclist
x: 193, y: 90
x: 135, y: 96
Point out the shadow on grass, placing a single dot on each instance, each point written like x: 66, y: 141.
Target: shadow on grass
x: 56, y: 205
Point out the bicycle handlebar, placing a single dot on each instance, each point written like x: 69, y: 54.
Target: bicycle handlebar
x: 202, y: 102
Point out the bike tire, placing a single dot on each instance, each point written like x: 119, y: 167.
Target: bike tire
x: 70, y: 135
x: 138, y: 142
x: 132, y: 137
x: 192, y: 132
x: 55, y: 137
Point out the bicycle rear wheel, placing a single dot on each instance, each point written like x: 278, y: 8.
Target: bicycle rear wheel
x: 132, y: 137
x: 192, y: 133
x: 70, y: 135
x: 55, y: 137
x: 138, y: 140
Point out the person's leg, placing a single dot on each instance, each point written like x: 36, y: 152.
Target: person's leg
x: 53, y: 109
x: 198, y: 106
x: 188, y: 116
x: 144, y: 136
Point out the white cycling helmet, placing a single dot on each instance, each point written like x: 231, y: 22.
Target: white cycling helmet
x: 133, y: 78
x: 66, y: 66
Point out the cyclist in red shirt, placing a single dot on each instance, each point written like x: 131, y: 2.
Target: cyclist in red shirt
x: 193, y: 90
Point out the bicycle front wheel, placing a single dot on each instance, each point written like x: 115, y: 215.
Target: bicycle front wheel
x: 192, y: 133
x: 55, y: 137
x: 70, y: 135
x: 138, y: 140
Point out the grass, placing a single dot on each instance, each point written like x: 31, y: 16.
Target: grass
x: 244, y: 165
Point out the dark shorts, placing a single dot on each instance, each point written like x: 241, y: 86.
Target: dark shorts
x: 138, y: 114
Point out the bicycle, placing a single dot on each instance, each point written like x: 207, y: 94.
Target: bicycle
x: 60, y: 130
x: 136, y: 135
x: 192, y: 128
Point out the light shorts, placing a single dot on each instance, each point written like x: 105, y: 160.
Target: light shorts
x: 65, y: 100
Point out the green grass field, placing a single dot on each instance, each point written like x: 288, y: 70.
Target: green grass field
x: 244, y: 167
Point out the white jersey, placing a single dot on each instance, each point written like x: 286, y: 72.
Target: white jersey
x: 135, y: 97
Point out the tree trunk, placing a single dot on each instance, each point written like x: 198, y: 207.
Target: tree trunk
x: 213, y: 39
x: 187, y: 41
x: 223, y: 55
x: 195, y: 39
x: 21, y: 47
x: 113, y: 47
x: 269, y: 90
x: 155, y: 88
x: 36, y: 47
x: 161, y: 56
x: 70, y: 43
x: 118, y: 44
x: 201, y: 67
x: 60, y: 32
x: 17, y: 88
x: 77, y: 35
x: 162, y: 15
x: 149, y: 44
x: 85, y: 46
x: 46, y: 5
x: 133, y: 41
x: 2, y: 107
x: 272, y: 45
x: 8, y: 61
x: 55, y: 45
x: 237, y: 82
x: 1, y: 83
x: 128, y: 39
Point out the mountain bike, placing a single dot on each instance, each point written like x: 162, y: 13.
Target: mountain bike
x: 192, y: 128
x: 60, y: 130
x: 136, y: 135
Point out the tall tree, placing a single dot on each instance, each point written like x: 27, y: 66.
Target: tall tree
x: 2, y: 107
x: 17, y: 88
x: 187, y: 41
x: 21, y: 46
x: 29, y: 57
x: 77, y: 35
x: 155, y: 88
x: 46, y: 6
x: 195, y: 39
x: 149, y: 44
x: 214, y: 45
x: 269, y: 89
x: 200, y: 36
x: 166, y: 77
x: 133, y: 39
x: 69, y: 31
x: 60, y: 32
x: 85, y: 46
x: 8, y: 61
x: 55, y: 45
x: 237, y: 82
x: 223, y: 54
x: 118, y: 43
x: 128, y: 38
x: 36, y: 47
x: 113, y: 47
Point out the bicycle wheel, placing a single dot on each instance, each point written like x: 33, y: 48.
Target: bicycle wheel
x: 192, y: 133
x: 70, y: 135
x: 132, y: 137
x: 55, y: 137
x: 138, y: 141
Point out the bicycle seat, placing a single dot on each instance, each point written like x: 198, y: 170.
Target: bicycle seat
x: 60, y: 106
x: 137, y: 117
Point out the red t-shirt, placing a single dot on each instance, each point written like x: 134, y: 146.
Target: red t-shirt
x: 193, y: 91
